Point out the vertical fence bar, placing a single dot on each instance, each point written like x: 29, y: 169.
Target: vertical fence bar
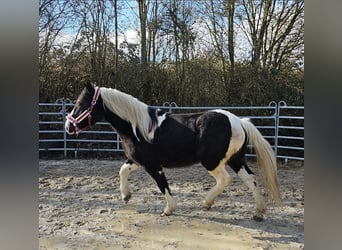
x: 276, y: 131
x: 279, y: 104
x: 275, y: 118
x: 117, y: 142
x: 63, y: 113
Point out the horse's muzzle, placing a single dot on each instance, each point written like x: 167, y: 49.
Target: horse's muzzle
x: 69, y: 128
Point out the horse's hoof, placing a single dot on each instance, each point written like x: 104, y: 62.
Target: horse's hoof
x: 164, y: 214
x: 126, y: 197
x: 206, y: 206
x: 258, y: 218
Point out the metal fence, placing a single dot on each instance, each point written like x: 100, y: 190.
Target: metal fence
x: 280, y: 124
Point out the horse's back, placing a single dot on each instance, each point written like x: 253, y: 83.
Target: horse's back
x: 176, y: 140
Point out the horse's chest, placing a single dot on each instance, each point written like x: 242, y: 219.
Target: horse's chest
x: 128, y: 147
x: 141, y: 153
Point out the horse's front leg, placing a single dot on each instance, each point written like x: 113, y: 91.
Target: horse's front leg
x: 125, y: 170
x: 159, y: 177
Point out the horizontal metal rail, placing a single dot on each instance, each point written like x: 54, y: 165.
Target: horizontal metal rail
x: 280, y: 125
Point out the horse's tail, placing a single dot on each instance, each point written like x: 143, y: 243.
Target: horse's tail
x: 266, y: 159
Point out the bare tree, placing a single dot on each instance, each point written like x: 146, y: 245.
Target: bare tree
x: 230, y: 12
x: 153, y: 28
x: 215, y: 18
x: 285, y: 35
x: 258, y: 15
x: 143, y: 23
x: 188, y: 46
x: 275, y: 29
x: 96, y: 27
x: 51, y: 21
x: 53, y: 18
x: 116, y: 34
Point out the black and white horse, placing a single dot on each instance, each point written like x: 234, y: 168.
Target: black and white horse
x: 154, y: 140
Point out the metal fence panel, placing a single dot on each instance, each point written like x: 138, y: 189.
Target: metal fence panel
x: 290, y: 130
x: 281, y: 125
x: 263, y: 117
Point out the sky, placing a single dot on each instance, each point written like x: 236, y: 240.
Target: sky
x: 128, y: 25
x: 129, y: 32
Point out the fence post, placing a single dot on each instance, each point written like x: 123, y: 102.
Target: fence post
x: 64, y: 101
x: 63, y: 112
x: 117, y: 141
x: 275, y: 115
x: 280, y: 104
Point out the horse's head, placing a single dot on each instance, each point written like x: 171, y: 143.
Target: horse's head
x: 86, y: 112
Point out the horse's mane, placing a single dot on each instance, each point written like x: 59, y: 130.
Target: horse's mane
x: 129, y: 109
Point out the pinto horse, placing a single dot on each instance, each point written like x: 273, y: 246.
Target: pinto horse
x: 154, y: 140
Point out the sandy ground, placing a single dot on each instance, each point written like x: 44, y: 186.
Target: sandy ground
x: 80, y: 208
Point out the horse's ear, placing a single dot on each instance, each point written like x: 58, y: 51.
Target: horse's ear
x: 90, y: 87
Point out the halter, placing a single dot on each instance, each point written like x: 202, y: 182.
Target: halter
x: 84, y: 114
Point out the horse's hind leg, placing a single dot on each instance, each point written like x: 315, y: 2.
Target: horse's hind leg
x: 125, y: 170
x: 222, y: 178
x: 249, y: 178
x: 158, y: 175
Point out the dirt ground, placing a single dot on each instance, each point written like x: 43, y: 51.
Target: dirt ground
x: 80, y: 208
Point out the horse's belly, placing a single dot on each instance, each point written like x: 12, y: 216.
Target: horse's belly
x: 177, y: 158
x: 179, y: 164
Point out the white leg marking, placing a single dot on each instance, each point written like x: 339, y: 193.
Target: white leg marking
x: 250, y: 181
x: 171, y: 204
x: 222, y: 178
x: 125, y: 170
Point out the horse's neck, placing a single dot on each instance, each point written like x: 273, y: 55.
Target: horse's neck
x: 122, y: 127
x: 129, y: 109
